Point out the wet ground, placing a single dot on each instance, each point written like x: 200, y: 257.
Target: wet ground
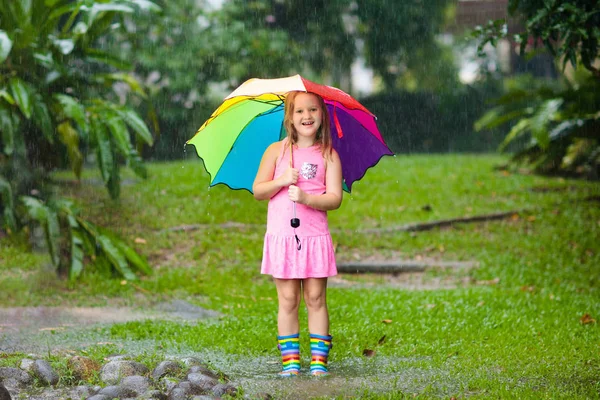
x: 43, y: 330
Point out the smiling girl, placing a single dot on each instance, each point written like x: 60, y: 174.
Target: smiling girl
x: 304, y: 170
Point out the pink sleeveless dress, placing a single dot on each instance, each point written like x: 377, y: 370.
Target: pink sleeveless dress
x: 281, y: 257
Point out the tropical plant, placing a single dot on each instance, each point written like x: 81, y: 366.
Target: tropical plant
x: 58, y: 107
x: 561, y: 119
x: 556, y: 127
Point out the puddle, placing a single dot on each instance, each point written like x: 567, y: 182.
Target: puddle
x: 349, y: 377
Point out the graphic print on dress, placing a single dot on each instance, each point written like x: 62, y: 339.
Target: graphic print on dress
x: 308, y: 170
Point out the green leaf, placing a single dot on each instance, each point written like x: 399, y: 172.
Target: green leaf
x: 133, y: 83
x: 136, y: 163
x: 545, y: 114
x: 20, y: 93
x: 137, y: 124
x: 116, y: 258
x: 69, y: 8
x: 131, y: 255
x: 48, y: 219
x: 146, y: 5
x: 6, y: 96
x: 7, y: 129
x: 70, y: 138
x: 120, y: 133
x: 53, y: 237
x: 74, y: 110
x: 65, y: 46
x: 107, y: 58
x: 41, y: 117
x: 486, y: 119
x: 520, y: 128
x: 104, y: 7
x: 5, y: 46
x: 103, y: 148
x: 493, y: 119
x: 77, y: 252
x: 7, y: 203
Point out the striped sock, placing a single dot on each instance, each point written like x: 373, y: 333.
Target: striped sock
x: 290, y: 354
x: 319, y: 350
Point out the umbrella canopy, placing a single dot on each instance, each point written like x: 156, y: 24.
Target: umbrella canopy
x: 232, y: 141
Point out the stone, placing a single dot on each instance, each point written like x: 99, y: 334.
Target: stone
x: 136, y: 383
x: 99, y: 397
x: 14, y: 377
x: 83, y: 368
x: 82, y: 392
x: 118, y: 392
x: 166, y: 368
x: 45, y: 373
x: 222, y: 389
x: 189, y: 389
x: 201, y: 369
x: 26, y: 364
x: 154, y: 394
x: 4, y: 395
x: 114, y: 371
x: 201, y: 381
x: 192, y: 361
x: 169, y: 384
x: 119, y: 357
x: 178, y: 394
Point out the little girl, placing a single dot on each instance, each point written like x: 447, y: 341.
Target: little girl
x: 301, y: 174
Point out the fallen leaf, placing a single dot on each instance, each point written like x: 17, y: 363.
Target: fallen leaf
x: 140, y: 240
x: 382, y: 340
x: 515, y: 217
x: 368, y: 353
x: 587, y: 319
x: 494, y: 281
x: 531, y: 218
x: 387, y: 321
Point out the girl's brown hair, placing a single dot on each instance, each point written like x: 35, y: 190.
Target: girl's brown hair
x: 323, y: 135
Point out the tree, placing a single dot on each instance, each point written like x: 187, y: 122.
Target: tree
x: 56, y: 107
x: 322, y: 36
x: 561, y: 121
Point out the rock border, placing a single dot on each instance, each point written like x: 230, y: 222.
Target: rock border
x: 121, y: 377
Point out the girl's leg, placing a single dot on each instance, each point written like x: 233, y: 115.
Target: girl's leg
x: 288, y: 294
x: 315, y: 290
x: 315, y: 297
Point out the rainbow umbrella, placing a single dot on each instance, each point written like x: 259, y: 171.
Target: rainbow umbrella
x: 232, y: 141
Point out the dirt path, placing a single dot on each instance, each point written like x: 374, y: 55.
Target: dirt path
x: 33, y: 329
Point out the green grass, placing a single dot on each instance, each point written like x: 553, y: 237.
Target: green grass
x: 509, y: 329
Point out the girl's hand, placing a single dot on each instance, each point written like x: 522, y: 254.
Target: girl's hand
x: 289, y: 177
x: 296, y: 194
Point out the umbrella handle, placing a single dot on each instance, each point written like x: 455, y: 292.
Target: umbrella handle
x: 295, y: 222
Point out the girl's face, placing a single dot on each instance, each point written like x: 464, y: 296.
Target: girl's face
x: 307, y: 116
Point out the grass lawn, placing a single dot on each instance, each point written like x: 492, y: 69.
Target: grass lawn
x: 510, y: 328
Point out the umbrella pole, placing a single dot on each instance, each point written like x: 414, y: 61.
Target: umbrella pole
x: 295, y: 222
